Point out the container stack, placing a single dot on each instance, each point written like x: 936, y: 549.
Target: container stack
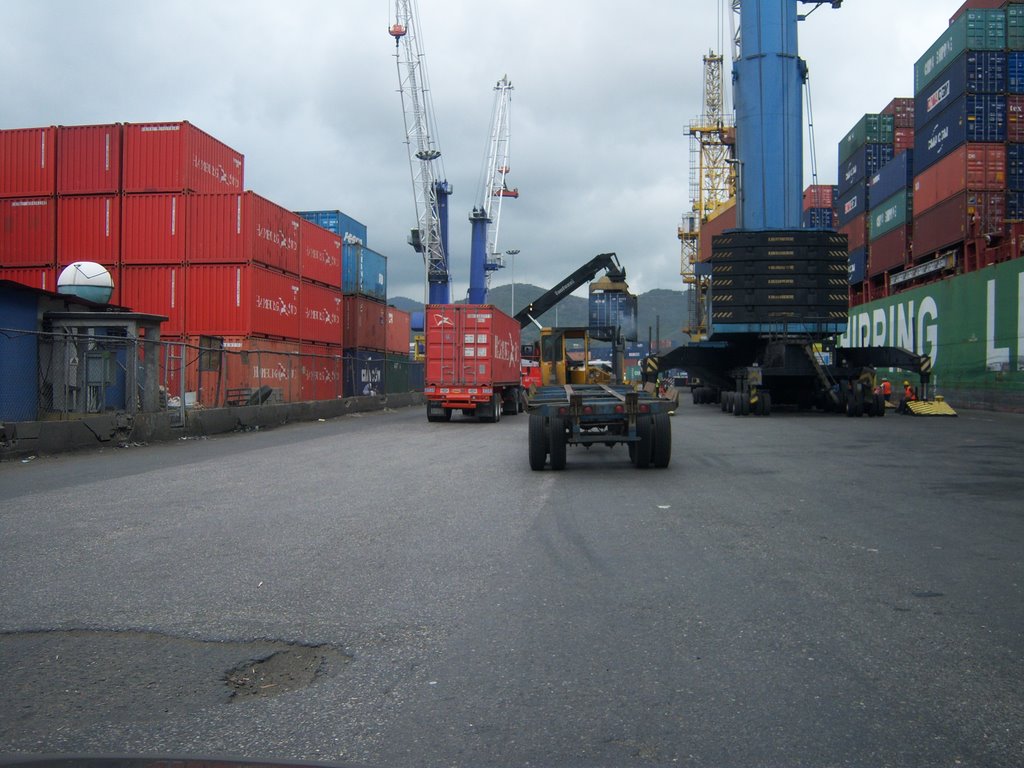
x: 819, y: 206
x: 364, y: 312
x: 162, y: 207
x: 867, y: 147
x: 964, y: 101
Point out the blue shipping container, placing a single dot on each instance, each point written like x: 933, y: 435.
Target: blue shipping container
x: 610, y: 310
x: 1015, y: 206
x: 364, y: 272
x: 863, y: 164
x: 363, y: 372
x: 1015, y: 167
x: 971, y: 118
x: 852, y: 204
x: 895, y: 175
x: 818, y: 218
x: 858, y: 265
x: 971, y: 72
x: 1015, y: 72
x: 337, y: 222
x: 19, y: 392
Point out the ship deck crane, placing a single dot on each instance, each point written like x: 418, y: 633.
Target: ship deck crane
x: 484, y: 255
x: 430, y: 190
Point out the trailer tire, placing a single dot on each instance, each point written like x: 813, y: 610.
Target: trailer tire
x: 557, y: 442
x: 742, y: 405
x: 662, y: 453
x: 438, y: 413
x: 538, y: 442
x: 879, y: 405
x: 766, y: 404
x: 645, y: 445
x: 510, y: 402
x: 725, y: 402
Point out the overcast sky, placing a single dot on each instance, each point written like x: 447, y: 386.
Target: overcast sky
x: 307, y: 91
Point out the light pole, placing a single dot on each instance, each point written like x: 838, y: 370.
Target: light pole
x: 513, y: 252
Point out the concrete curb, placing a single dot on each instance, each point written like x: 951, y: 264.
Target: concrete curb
x: 32, y: 438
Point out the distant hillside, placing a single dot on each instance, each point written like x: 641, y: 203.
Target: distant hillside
x: 661, y: 310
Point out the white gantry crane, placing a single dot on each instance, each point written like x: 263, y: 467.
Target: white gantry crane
x: 484, y: 255
x: 430, y: 190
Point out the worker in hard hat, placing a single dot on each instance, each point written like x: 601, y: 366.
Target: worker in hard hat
x: 909, y: 396
x: 886, y: 390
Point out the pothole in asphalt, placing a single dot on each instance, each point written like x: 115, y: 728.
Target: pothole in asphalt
x: 280, y: 672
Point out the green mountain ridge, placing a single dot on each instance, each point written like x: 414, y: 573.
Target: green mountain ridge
x: 661, y: 313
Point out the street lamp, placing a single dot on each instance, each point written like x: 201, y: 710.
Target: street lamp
x: 512, y: 252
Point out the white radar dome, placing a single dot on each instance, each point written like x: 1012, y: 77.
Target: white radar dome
x: 86, y: 280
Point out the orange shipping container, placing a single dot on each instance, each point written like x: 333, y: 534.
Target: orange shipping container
x: 365, y: 323
x: 321, y: 316
x: 320, y: 254
x: 241, y: 300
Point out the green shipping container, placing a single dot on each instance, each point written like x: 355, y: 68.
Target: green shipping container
x: 1015, y: 27
x: 870, y: 129
x: 890, y: 214
x: 396, y: 373
x: 975, y: 31
x: 972, y: 327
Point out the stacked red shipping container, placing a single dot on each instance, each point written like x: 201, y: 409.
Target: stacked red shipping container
x: 162, y: 206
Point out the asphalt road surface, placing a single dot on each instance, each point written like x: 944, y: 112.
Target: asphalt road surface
x: 794, y: 590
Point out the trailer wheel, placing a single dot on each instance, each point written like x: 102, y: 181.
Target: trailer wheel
x: 725, y: 402
x: 438, y: 413
x: 538, y: 442
x: 880, y: 405
x: 742, y: 405
x: 662, y: 453
x: 644, y: 446
x: 766, y: 404
x: 557, y: 442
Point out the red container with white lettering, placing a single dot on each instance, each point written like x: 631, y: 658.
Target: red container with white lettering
x: 28, y: 232
x: 978, y: 166
x: 153, y: 229
x: 156, y: 290
x: 322, y: 311
x: 471, y: 345
x: 319, y: 254
x: 322, y: 372
x: 28, y: 162
x: 89, y: 228
x: 241, y: 229
x: 365, y: 323
x: 89, y: 159
x: 178, y: 157
x: 242, y: 300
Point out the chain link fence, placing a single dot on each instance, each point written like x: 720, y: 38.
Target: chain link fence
x: 68, y: 375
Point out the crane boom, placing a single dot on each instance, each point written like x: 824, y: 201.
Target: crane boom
x: 430, y: 193
x: 484, y: 255
x: 535, y: 309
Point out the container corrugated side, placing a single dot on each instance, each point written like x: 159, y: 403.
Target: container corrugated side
x: 471, y: 345
x: 872, y: 128
x: 89, y: 228
x: 274, y: 233
x: 320, y: 254
x: 322, y: 314
x: 322, y: 372
x: 965, y: 215
x: 337, y: 222
x: 889, y: 251
x: 44, y: 278
x: 241, y: 300
x: 863, y: 164
x: 365, y: 323
x: 364, y: 271
x: 858, y: 265
x: 157, y: 290
x: 179, y: 157
x: 976, y: 30
x: 819, y: 196
x: 971, y: 166
x: 979, y: 72
x: 902, y: 111
x: 1015, y: 27
x: 89, y: 159
x: 28, y: 162
x: 153, y: 229
x: 1015, y: 167
x: 856, y: 231
x: 853, y: 204
x: 895, y: 175
x: 28, y: 232
x: 248, y: 363
x: 399, y: 331
x: 890, y: 214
